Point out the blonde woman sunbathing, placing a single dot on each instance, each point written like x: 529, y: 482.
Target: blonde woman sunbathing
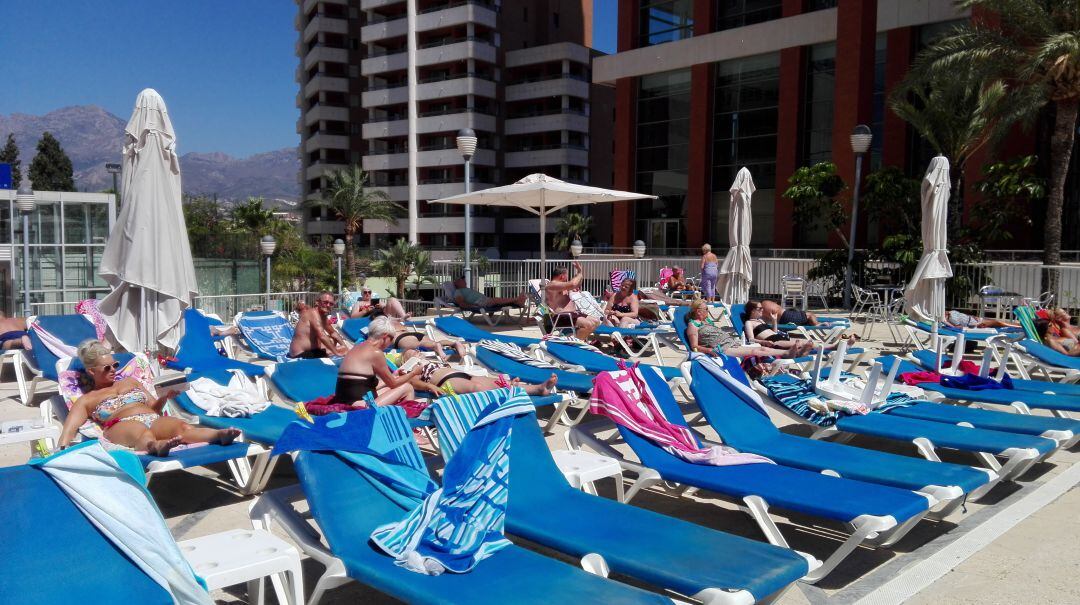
x: 436, y: 375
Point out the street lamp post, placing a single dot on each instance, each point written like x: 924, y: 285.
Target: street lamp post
x: 25, y: 202
x: 114, y: 169
x: 339, y: 249
x: 466, y: 144
x: 861, y: 138
x: 268, y: 244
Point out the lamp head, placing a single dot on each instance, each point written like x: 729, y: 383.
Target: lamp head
x: 24, y: 199
x: 861, y: 138
x: 112, y: 168
x: 339, y: 247
x: 576, y: 248
x: 639, y: 249
x: 466, y: 142
x: 268, y: 244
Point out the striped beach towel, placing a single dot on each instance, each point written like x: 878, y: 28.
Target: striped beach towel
x: 513, y: 351
x: 797, y: 394
x: 618, y: 276
x: 461, y: 524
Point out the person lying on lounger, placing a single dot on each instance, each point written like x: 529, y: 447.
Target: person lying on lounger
x: 314, y: 337
x: 775, y: 314
x: 371, y: 306
x: 764, y: 334
x: 623, y: 307
x: 959, y: 320
x: 13, y: 333
x: 436, y: 375
x: 129, y: 415
x: 1060, y: 323
x: 706, y: 337
x: 468, y: 298
x: 409, y: 339
x: 557, y: 298
x: 1068, y: 345
x: 364, y: 375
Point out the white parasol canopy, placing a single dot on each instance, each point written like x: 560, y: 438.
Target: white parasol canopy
x: 542, y: 195
x: 736, y: 272
x: 925, y: 293
x: 147, y: 260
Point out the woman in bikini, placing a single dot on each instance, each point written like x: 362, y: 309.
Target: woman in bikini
x: 622, y: 308
x: 406, y: 339
x: 128, y: 413
x: 1060, y: 341
x: 364, y: 374
x: 435, y: 376
x: 706, y: 337
x: 762, y: 333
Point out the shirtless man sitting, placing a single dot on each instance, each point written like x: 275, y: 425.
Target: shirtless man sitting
x: 557, y: 298
x: 315, y: 338
x: 13, y: 333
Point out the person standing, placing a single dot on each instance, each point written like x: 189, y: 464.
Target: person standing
x: 710, y: 271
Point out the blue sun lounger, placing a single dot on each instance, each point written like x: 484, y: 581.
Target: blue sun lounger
x: 742, y: 424
x: 878, y: 513
x: 463, y: 329
x: 347, y: 508
x: 353, y: 328
x: 268, y: 334
x: 597, y: 362
x: 928, y: 360
x: 196, y: 351
x: 659, y: 550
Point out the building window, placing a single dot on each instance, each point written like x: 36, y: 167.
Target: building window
x: 745, y: 116
x: 877, y: 124
x: 663, y: 153
x: 665, y: 21
x: 816, y: 5
x: 818, y: 103
x: 525, y: 14
x: 555, y: 20
x: 737, y: 13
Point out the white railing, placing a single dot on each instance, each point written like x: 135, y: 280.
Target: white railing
x: 227, y: 306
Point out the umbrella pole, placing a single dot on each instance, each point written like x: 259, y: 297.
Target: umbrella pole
x: 543, y: 237
x: 142, y: 318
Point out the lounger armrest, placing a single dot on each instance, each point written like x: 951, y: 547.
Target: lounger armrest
x: 276, y: 506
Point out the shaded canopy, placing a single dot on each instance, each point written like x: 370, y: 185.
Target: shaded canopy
x: 925, y: 293
x: 736, y: 272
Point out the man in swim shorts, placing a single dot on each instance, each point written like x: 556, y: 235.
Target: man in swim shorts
x: 13, y: 333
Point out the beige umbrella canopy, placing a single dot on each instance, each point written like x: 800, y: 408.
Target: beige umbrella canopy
x: 736, y: 272
x: 925, y: 293
x: 541, y: 195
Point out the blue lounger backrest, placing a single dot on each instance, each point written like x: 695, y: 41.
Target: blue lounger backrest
x: 737, y: 318
x: 353, y: 328
x: 726, y: 409
x: 652, y: 455
x: 572, y: 381
x: 71, y: 329
x: 305, y: 379
x: 1050, y: 356
x: 461, y: 328
x: 679, y: 322
x: 273, y: 331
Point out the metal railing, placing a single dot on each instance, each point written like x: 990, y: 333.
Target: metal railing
x: 227, y: 306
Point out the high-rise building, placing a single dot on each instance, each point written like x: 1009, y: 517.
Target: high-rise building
x: 705, y: 87
x: 388, y: 84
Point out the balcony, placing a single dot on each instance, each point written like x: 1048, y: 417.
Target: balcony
x: 555, y: 86
x: 322, y: 23
x: 367, y: 5
x: 385, y: 63
x: 576, y: 122
x: 316, y: 170
x: 393, y: 28
x: 385, y: 161
x: 549, y: 53
x: 326, y: 84
x: 432, y: 224
x: 326, y: 141
x: 457, y: 86
x: 326, y: 112
x: 385, y: 96
x: 555, y: 156
x: 385, y: 129
x: 310, y: 4
x: 452, y: 122
x: 456, y: 50
x: 457, y: 14
x: 326, y: 54
x: 452, y: 157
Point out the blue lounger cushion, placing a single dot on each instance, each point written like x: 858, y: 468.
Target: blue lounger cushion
x: 928, y: 359
x: 70, y: 329
x: 304, y: 379
x: 1049, y: 356
x: 740, y: 425
x: 946, y: 330
x: 348, y: 508
x: 201, y: 455
x: 628, y: 332
x: 53, y: 555
x: 572, y: 381
x: 661, y: 550
x: 264, y: 427
x: 461, y: 328
x: 781, y: 486
x: 353, y: 328
x: 998, y: 396
x: 598, y: 362
x: 196, y: 350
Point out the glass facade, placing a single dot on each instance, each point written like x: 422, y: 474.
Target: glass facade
x: 737, y: 13
x: 745, y: 117
x: 665, y: 21
x: 818, y: 103
x: 663, y: 153
x: 68, y: 232
x: 877, y: 124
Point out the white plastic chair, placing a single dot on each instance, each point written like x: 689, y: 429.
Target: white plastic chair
x: 793, y: 288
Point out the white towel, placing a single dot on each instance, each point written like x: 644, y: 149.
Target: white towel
x: 239, y: 399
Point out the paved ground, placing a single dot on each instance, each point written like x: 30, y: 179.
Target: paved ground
x: 1017, y: 545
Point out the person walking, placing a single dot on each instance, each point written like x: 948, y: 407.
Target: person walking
x: 709, y: 272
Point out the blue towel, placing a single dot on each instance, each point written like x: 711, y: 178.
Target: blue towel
x: 461, y: 524
x: 972, y: 382
x: 269, y: 334
x: 795, y: 394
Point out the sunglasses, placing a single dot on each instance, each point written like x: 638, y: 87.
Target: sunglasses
x: 325, y: 303
x: 114, y: 366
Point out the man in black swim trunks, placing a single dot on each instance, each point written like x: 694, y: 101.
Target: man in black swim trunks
x: 775, y: 314
x: 314, y: 337
x: 13, y: 333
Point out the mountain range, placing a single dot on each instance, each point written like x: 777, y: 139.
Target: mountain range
x: 92, y: 137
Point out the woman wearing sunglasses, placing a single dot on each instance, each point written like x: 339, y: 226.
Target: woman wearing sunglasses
x: 128, y: 414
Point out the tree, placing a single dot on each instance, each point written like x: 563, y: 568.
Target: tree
x: 350, y: 200
x: 1009, y: 189
x: 401, y: 260
x: 51, y: 168
x: 250, y: 216
x: 10, y: 155
x: 571, y: 226
x: 1031, y: 47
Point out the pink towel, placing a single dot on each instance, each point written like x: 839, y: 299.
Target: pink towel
x: 90, y: 307
x: 625, y: 398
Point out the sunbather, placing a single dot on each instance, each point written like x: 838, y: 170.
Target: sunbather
x: 1060, y: 322
x: 13, y: 333
x: 704, y: 336
x: 757, y: 330
x: 957, y: 319
x: 557, y: 298
x: 364, y: 375
x: 775, y: 314
x: 677, y: 281
x: 468, y: 298
x: 408, y: 339
x: 622, y: 307
x: 128, y: 413
x: 314, y: 337
x: 370, y: 305
x: 436, y: 375
x: 1058, y: 342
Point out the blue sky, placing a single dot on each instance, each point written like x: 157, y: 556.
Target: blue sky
x: 225, y: 68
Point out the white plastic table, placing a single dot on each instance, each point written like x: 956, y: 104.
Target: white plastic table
x: 247, y: 555
x: 582, y: 468
x: 29, y: 431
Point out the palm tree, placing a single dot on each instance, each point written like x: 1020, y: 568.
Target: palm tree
x: 252, y: 217
x: 571, y: 226
x: 401, y: 260
x: 349, y: 199
x: 1033, y: 47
